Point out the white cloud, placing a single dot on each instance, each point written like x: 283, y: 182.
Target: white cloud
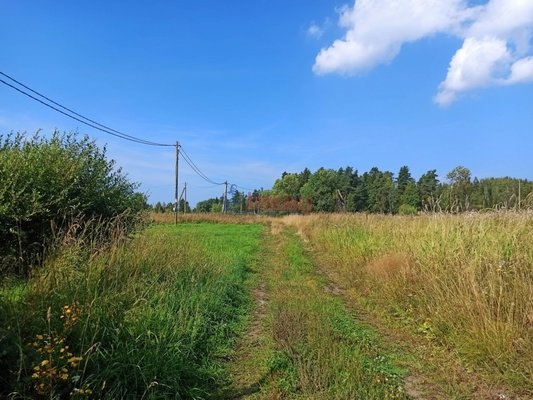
x: 504, y: 19
x: 494, y: 52
x: 497, y: 48
x: 477, y: 64
x: 521, y: 71
x: 315, y: 31
x: 376, y: 30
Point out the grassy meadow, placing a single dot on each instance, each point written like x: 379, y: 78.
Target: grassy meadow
x: 323, y: 306
x: 465, y: 282
x: 315, y: 348
x: 151, y: 319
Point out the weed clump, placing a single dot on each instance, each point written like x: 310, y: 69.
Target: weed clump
x: 56, y: 369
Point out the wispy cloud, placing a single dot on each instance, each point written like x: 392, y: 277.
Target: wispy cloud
x: 315, y: 31
x: 496, y: 37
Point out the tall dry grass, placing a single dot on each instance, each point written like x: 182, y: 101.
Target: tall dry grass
x: 322, y: 353
x: 166, y: 218
x: 465, y: 281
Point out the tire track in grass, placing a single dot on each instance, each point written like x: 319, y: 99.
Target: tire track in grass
x: 247, y: 368
x: 302, y: 342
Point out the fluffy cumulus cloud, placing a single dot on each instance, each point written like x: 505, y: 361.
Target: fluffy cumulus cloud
x: 478, y: 63
x: 496, y: 50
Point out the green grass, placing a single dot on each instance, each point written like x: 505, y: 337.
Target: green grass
x: 160, y: 316
x: 464, y: 282
x: 153, y: 319
x: 319, y: 350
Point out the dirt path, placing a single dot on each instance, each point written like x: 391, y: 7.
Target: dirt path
x: 301, y: 344
x: 276, y: 359
x: 246, y: 368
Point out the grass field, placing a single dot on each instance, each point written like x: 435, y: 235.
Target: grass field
x: 299, y: 307
x: 153, y: 319
x: 464, y: 282
x: 306, y: 343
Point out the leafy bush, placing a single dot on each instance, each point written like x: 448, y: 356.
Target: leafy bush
x: 407, y: 209
x: 47, y: 183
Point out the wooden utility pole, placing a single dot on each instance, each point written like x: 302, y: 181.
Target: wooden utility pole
x: 185, y: 197
x: 224, y: 204
x: 176, y: 186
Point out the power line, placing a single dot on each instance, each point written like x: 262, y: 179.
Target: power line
x: 197, y: 170
x: 189, y: 161
x: 48, y: 102
x: 192, y: 185
x: 76, y: 116
x: 243, y: 188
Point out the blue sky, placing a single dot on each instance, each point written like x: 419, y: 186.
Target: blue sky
x: 251, y: 89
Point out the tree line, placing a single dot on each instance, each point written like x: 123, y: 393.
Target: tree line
x: 376, y: 191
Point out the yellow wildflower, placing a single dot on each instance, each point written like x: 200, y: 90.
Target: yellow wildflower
x: 74, y: 361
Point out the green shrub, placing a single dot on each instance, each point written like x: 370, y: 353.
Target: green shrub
x: 407, y: 209
x: 51, y: 184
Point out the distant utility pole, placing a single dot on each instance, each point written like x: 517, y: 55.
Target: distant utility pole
x: 185, y: 197
x: 224, y: 204
x: 176, y: 186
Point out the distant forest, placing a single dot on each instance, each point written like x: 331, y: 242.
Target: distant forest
x: 375, y: 191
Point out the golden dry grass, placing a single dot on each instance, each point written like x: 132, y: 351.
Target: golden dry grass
x: 465, y: 281
x: 164, y: 218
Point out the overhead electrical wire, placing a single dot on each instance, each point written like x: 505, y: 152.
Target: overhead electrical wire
x: 196, y: 169
x: 48, y: 102
x: 201, y: 186
x: 76, y: 116
x: 243, y: 188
